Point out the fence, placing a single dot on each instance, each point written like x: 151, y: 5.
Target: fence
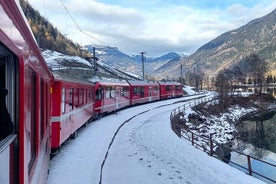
x: 208, y: 145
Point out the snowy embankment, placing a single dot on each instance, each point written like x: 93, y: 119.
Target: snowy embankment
x: 145, y: 150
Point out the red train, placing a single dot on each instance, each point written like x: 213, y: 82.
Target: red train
x: 143, y: 92
x: 26, y: 108
x: 73, y: 105
x: 170, y: 90
x: 40, y: 110
x: 111, y: 95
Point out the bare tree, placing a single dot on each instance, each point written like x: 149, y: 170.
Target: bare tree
x: 224, y: 85
x: 255, y: 68
x: 195, y: 78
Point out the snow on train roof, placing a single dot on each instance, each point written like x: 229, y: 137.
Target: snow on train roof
x: 169, y: 82
x: 54, y: 59
x: 142, y: 83
x: 105, y: 80
x: 58, y: 76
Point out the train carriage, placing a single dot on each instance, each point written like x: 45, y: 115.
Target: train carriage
x: 143, y: 91
x: 25, y: 101
x: 111, y: 95
x: 73, y: 106
x: 170, y: 89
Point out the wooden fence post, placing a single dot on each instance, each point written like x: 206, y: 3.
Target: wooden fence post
x: 211, y: 145
x: 192, y: 138
x: 249, y: 165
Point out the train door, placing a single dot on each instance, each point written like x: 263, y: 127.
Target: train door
x: 150, y: 93
x: 173, y: 87
x: 117, y: 89
x: 8, y: 116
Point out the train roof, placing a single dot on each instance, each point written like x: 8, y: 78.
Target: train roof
x: 168, y: 83
x: 108, y: 81
x: 62, y: 77
x: 142, y: 83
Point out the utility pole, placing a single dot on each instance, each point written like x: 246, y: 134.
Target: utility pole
x: 181, y: 74
x: 94, y: 60
x: 143, y: 68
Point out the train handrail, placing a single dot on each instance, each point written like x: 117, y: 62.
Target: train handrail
x: 6, y: 142
x: 184, y: 131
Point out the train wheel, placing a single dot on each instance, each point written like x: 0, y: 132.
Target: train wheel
x: 74, y: 135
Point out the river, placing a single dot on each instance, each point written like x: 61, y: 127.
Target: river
x: 257, y: 138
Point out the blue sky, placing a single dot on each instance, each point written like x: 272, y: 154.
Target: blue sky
x: 205, y: 4
x: 156, y: 26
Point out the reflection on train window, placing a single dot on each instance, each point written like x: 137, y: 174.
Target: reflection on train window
x: 63, y: 104
x: 32, y: 123
x: 89, y: 96
x: 81, y: 97
x: 99, y: 95
x: 156, y: 89
x: 139, y: 90
x: 85, y: 96
x: 8, y: 81
x: 70, y: 98
x: 124, y: 91
x: 76, y: 97
x: 108, y: 92
x: 42, y: 109
x: 178, y: 87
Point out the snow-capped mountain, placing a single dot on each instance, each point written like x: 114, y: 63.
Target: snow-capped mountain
x: 114, y: 58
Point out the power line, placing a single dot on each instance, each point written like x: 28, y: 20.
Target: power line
x: 77, y: 25
x: 70, y: 14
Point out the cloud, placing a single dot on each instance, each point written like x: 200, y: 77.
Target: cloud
x: 155, y: 29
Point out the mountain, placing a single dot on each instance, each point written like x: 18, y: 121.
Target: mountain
x: 47, y: 36
x: 257, y: 36
x: 112, y: 57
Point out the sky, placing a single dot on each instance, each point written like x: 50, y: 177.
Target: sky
x: 144, y: 150
x: 155, y: 27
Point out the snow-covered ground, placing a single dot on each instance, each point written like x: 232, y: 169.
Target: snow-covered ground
x: 144, y: 151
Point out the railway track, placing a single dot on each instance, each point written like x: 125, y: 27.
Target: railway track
x: 194, y: 97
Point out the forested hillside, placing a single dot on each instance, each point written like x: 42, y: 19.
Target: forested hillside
x: 47, y: 36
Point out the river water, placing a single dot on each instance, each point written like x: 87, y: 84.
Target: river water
x: 257, y: 138
x: 259, y: 130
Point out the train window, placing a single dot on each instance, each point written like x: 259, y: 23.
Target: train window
x: 178, y: 87
x: 108, y: 92
x: 76, y: 97
x: 150, y: 91
x: 42, y: 109
x: 70, y: 98
x: 168, y: 88
x: 142, y: 92
x: 125, y: 91
x: 112, y: 92
x: 63, y: 100
x: 8, y: 81
x: 99, y: 94
x: 139, y: 90
x: 31, y: 124
x: 89, y: 97
x: 85, y: 96
x: 156, y: 89
x: 81, y: 97
x: 47, y: 94
x: 136, y: 90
